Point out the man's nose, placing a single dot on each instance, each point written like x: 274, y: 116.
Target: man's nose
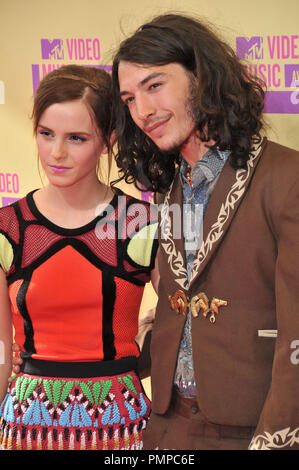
x: 144, y: 107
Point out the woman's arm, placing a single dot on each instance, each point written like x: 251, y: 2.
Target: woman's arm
x: 5, y: 336
x: 145, y: 326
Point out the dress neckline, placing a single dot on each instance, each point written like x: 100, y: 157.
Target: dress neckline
x: 70, y: 231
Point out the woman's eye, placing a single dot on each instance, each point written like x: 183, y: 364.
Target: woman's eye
x: 46, y: 133
x: 77, y: 138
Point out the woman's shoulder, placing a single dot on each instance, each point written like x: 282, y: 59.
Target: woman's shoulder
x: 136, y: 201
x: 137, y: 215
x: 13, y: 214
x: 8, y: 213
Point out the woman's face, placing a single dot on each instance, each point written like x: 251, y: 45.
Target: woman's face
x: 69, y: 143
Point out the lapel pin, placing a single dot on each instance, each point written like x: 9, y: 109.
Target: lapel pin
x: 199, y: 302
x: 214, y: 308
x: 179, y: 303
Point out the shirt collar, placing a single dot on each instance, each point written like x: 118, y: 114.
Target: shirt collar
x: 208, y: 166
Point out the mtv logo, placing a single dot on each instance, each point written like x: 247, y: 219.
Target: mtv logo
x: 52, y: 49
x: 250, y: 48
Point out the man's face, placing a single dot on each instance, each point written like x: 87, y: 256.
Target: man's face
x: 158, y: 98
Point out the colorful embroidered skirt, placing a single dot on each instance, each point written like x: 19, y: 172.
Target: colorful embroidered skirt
x: 48, y: 413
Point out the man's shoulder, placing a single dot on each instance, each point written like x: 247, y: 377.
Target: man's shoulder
x: 277, y: 173
x: 279, y: 163
x: 280, y: 154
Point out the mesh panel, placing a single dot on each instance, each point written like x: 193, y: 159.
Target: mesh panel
x: 105, y: 242
x: 102, y: 242
x: 128, y: 267
x: 37, y: 240
x: 144, y: 277
x: 9, y: 223
x: 125, y: 317
x: 26, y: 212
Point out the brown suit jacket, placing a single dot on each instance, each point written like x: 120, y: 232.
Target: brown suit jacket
x: 249, y: 257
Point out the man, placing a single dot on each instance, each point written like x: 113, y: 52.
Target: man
x: 189, y: 125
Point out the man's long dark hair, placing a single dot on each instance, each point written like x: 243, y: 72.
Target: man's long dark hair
x: 228, y: 104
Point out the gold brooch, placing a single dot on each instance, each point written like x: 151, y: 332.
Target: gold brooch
x: 179, y: 303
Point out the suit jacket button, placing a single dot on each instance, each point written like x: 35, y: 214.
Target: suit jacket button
x: 194, y: 409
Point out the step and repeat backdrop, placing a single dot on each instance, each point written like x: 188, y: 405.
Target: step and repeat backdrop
x: 37, y: 36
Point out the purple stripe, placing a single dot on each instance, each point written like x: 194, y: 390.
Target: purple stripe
x: 9, y: 200
x: 282, y: 102
x: 108, y: 68
x: 35, y: 77
x: 290, y: 72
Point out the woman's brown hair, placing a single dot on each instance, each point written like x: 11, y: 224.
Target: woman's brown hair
x: 75, y: 82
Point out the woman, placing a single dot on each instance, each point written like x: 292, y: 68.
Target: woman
x: 74, y: 260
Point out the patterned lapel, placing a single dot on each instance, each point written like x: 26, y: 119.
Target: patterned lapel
x: 171, y: 232
x: 223, y: 204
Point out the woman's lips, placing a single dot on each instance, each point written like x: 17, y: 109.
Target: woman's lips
x: 59, y: 169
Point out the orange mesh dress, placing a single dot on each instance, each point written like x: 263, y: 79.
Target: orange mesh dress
x: 75, y: 297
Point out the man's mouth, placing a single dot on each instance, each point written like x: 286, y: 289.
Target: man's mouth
x: 156, y: 127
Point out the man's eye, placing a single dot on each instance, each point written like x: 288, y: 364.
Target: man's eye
x: 129, y: 100
x: 154, y: 85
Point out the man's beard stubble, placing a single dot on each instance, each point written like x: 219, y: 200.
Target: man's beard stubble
x: 192, y: 108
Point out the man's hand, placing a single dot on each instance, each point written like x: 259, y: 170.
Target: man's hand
x: 16, y: 360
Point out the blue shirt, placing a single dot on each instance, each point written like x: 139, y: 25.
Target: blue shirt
x: 204, y: 176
